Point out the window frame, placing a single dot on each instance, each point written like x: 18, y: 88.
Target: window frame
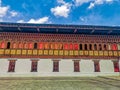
x: 76, y: 65
x: 34, y: 65
x: 35, y: 46
x: 8, y: 45
x: 96, y: 66
x: 55, y: 65
x: 116, y: 66
x: 11, y: 67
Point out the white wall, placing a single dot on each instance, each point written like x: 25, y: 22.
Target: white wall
x: 45, y: 65
x: 21, y: 67
x: 86, y: 66
x: 66, y: 68
x: 106, y: 66
x: 4, y: 63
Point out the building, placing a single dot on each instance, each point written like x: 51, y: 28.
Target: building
x: 59, y: 50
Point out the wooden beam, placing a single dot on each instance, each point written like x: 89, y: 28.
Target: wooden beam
x: 75, y: 30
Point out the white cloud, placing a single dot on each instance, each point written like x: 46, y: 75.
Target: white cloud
x: 61, y: 1
x: 92, y: 2
x: 82, y: 19
x: 91, y: 5
x: 88, y: 19
x: 40, y: 20
x: 109, y: 0
x: 98, y: 2
x: 6, y: 12
x: 62, y: 10
x: 3, y: 11
x: 80, y: 2
x: 13, y: 13
x: 20, y: 21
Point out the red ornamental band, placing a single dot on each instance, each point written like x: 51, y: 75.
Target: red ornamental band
x: 57, y: 46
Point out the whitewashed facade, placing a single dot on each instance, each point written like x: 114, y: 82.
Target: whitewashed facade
x: 66, y: 68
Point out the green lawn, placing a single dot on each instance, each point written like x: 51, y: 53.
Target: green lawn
x: 61, y: 83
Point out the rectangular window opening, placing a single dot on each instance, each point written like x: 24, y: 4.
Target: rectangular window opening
x: 34, y: 65
x: 76, y: 66
x: 11, y: 66
x: 55, y: 66
x: 35, y: 45
x: 116, y: 66
x: 96, y: 66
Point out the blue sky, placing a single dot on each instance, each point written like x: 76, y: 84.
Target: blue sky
x: 82, y: 12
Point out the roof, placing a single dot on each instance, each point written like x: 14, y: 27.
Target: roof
x: 59, y: 29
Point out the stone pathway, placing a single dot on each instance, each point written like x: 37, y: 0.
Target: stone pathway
x: 61, y: 83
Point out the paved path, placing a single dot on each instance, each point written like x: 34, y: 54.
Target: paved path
x: 61, y: 83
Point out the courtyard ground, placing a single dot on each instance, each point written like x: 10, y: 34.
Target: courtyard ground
x: 60, y: 83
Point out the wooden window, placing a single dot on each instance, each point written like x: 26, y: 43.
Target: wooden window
x: 116, y: 66
x: 95, y: 47
x: 34, y: 65
x: 11, y: 66
x: 61, y: 46
x: 66, y: 46
x: 90, y: 46
x: 55, y: 66
x: 30, y: 46
x: 80, y: 46
x: 51, y: 45
x: 3, y: 45
x: 46, y: 46
x: 26, y: 46
x: 96, y: 66
x: 85, y: 46
x: 56, y: 46
x: 8, y: 45
x: 100, y: 47
x: 40, y: 45
x: 105, y: 47
x: 114, y: 47
x: 20, y: 45
x: 76, y: 66
x: 76, y: 47
x: 35, y: 45
x: 14, y: 45
x: 71, y: 46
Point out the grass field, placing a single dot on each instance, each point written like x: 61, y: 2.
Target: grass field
x: 60, y: 83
